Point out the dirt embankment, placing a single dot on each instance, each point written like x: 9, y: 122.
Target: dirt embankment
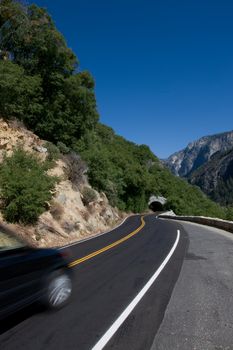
x: 67, y: 219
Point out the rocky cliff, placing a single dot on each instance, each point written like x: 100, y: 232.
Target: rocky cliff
x: 68, y: 218
x: 215, y: 177
x: 197, y: 153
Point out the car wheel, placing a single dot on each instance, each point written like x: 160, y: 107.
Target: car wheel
x: 58, y: 289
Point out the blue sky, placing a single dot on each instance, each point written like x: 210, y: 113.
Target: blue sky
x: 163, y: 68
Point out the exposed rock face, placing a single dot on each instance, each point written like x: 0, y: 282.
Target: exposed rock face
x: 215, y: 177
x: 14, y: 134
x: 199, y: 152
x: 67, y: 218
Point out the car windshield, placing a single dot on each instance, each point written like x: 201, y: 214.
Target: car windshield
x: 8, y: 240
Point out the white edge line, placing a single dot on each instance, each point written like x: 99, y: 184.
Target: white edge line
x: 95, y: 236
x: 112, y: 330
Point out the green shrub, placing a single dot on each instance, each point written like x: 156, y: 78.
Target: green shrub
x: 89, y: 195
x: 63, y: 148
x: 25, y: 188
x: 53, y: 151
x: 229, y: 213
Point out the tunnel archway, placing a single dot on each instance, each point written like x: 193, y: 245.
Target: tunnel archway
x: 157, y: 203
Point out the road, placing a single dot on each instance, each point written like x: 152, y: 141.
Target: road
x: 110, y: 274
x: 104, y: 286
x: 200, y: 312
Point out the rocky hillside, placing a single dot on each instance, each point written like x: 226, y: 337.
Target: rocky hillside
x: 215, y: 177
x: 69, y: 216
x: 197, y: 153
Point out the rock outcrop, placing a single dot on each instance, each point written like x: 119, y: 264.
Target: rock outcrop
x: 197, y: 153
x: 215, y: 177
x: 67, y: 218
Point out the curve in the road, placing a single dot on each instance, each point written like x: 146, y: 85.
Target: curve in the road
x: 103, y: 287
x: 110, y: 246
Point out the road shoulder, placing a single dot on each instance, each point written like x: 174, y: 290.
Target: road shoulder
x: 199, y: 315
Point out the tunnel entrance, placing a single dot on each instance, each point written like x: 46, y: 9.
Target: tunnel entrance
x: 156, y: 206
x: 157, y: 203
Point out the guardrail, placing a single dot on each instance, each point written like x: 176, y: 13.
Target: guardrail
x: 218, y: 223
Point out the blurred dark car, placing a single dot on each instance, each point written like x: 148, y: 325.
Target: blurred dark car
x: 28, y: 275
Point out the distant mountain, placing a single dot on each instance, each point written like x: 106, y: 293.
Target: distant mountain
x: 199, y: 152
x: 215, y: 177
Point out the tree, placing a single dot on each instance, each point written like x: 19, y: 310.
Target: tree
x: 71, y: 112
x: 29, y: 35
x: 20, y: 94
x: 40, y: 66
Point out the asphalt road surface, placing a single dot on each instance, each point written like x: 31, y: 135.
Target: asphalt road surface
x: 200, y: 312
x: 123, y: 282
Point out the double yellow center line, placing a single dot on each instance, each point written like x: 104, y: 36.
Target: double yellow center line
x: 110, y: 246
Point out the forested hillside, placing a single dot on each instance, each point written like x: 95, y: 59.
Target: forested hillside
x: 130, y: 173
x: 42, y: 86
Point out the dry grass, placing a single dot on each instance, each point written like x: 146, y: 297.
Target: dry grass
x: 85, y: 215
x: 56, y: 210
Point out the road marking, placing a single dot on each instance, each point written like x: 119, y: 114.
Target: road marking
x: 119, y: 321
x: 110, y: 246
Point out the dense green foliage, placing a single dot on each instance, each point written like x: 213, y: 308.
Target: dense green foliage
x: 129, y: 174
x: 24, y: 187
x: 20, y: 95
x: 41, y: 85
x: 39, y: 81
